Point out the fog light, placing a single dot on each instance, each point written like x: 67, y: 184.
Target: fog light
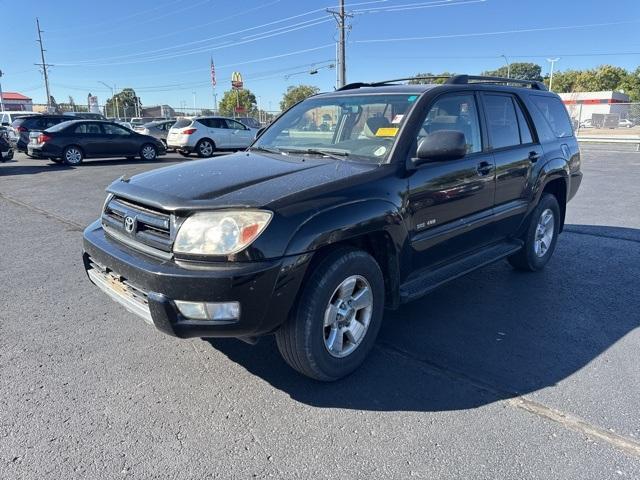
x: 227, y: 311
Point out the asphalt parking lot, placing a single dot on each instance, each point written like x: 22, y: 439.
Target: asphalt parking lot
x: 499, y: 374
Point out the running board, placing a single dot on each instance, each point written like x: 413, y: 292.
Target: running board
x: 433, y: 279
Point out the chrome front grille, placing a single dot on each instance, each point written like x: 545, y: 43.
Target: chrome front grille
x: 136, y: 224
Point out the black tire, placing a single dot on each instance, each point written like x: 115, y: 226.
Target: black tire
x: 148, y: 152
x: 72, y: 155
x: 205, y: 148
x: 528, y: 258
x: 301, y: 339
x: 184, y: 153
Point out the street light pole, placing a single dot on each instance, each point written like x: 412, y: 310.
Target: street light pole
x: 552, y: 61
x: 113, y: 96
x: 194, y: 102
x: 1, y: 102
x: 508, y: 65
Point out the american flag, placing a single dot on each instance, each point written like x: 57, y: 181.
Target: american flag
x: 213, y: 73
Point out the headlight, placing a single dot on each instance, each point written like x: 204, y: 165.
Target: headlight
x: 220, y: 233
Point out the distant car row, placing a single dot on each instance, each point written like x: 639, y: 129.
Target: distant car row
x: 624, y: 123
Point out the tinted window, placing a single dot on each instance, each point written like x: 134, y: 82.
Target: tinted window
x: 88, y: 128
x: 182, y: 123
x: 458, y: 113
x: 232, y: 124
x: 501, y: 121
x: 214, y: 122
x: 111, y: 129
x: 556, y: 115
x: 525, y: 131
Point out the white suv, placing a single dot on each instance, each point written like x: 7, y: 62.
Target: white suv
x: 205, y: 135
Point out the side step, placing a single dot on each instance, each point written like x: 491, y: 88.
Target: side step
x: 432, y: 279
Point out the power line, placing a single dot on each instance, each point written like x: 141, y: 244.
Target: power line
x: 502, y: 32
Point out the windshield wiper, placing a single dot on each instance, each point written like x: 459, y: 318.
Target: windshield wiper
x: 336, y: 155
x: 266, y: 149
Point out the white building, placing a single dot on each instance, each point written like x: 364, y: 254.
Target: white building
x: 582, y: 105
x: 13, y: 101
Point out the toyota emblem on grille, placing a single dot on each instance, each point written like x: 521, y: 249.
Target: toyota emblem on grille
x: 129, y: 224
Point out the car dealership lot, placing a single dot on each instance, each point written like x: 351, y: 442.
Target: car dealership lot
x: 499, y: 374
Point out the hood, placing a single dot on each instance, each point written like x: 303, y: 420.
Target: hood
x: 244, y: 179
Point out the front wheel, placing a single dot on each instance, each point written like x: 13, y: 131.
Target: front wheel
x: 337, y: 317
x: 72, y: 156
x: 148, y: 152
x: 541, y: 236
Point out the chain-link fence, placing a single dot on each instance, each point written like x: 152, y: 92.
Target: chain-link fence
x: 605, y: 119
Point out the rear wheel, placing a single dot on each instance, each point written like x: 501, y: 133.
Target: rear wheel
x: 148, y: 152
x: 72, y: 155
x: 337, y: 317
x: 205, y: 148
x: 541, y: 236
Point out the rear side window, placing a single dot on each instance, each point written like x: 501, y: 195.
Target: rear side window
x: 555, y: 114
x: 525, y: 131
x: 89, y: 128
x: 182, y: 123
x: 502, y: 121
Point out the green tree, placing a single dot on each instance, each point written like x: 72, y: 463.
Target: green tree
x: 417, y: 80
x: 126, y: 104
x: 232, y: 98
x: 518, y: 70
x: 295, y: 94
x: 631, y: 85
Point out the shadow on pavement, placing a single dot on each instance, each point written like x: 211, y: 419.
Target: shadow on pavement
x: 15, y: 168
x: 510, y: 331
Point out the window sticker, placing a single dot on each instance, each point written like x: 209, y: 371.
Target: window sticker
x: 397, y: 119
x: 387, y: 132
x: 380, y: 151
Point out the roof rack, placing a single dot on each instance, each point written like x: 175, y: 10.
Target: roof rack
x: 465, y: 79
x: 453, y: 80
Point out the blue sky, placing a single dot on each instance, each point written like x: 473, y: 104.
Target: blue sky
x: 162, y: 48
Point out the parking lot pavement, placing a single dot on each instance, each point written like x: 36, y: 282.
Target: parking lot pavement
x: 499, y: 374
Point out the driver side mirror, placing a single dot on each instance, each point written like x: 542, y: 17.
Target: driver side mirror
x: 440, y: 146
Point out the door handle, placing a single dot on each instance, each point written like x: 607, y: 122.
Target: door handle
x: 484, y: 168
x: 533, y: 156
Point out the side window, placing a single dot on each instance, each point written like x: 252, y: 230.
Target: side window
x: 502, y: 122
x: 232, y: 124
x: 454, y: 112
x: 525, y: 131
x: 555, y: 113
x: 88, y: 128
x: 215, y: 123
x: 110, y: 129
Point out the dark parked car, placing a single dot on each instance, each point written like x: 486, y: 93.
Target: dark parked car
x: 73, y: 141
x: 308, y: 235
x: 24, y: 126
x: 6, y: 145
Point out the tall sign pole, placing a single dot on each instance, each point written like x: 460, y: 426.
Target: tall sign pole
x: 1, y: 102
x: 44, y: 65
x: 341, y: 17
x: 213, y: 84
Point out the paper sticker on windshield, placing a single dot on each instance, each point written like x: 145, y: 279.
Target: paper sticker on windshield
x: 387, y: 132
x: 380, y: 151
x: 397, y: 119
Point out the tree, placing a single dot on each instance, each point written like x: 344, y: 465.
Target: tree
x: 295, y: 94
x: 232, y: 98
x: 435, y: 80
x: 128, y: 104
x: 518, y: 70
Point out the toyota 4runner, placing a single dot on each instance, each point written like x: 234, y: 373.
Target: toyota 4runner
x: 310, y: 233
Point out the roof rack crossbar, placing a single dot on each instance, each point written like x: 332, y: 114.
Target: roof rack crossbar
x: 351, y: 86
x: 464, y: 80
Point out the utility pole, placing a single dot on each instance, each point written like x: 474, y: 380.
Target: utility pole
x: 44, y: 64
x: 1, y: 102
x: 552, y: 61
x: 508, y: 65
x: 340, y: 17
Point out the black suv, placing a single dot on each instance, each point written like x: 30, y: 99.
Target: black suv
x: 310, y: 233
x: 25, y: 126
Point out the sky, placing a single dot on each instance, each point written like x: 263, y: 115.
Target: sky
x: 162, y: 48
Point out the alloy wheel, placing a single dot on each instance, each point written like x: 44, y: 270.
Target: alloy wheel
x: 544, y: 232
x: 347, y: 316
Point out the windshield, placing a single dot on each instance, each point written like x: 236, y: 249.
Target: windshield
x: 358, y: 127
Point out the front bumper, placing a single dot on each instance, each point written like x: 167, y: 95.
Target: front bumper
x: 148, y: 286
